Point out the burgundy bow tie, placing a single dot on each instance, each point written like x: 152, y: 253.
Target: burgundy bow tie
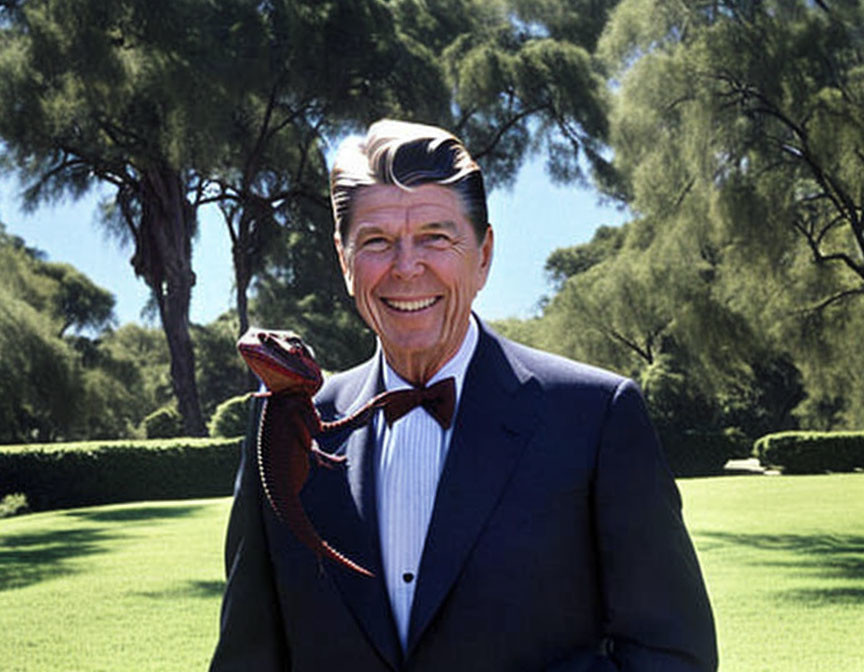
x: 439, y: 399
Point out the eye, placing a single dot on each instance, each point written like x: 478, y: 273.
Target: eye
x: 375, y: 243
x: 436, y: 240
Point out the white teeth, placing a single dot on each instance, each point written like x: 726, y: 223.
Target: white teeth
x: 410, y: 306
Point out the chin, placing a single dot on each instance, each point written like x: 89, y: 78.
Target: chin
x: 413, y: 347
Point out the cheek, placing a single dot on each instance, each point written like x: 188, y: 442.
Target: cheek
x: 366, y: 278
x: 467, y: 280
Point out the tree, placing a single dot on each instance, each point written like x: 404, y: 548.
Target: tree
x: 232, y: 103
x: 524, y: 82
x: 78, y: 302
x: 741, y: 123
x: 94, y: 383
x: 566, y: 262
x: 38, y: 375
x: 123, y: 94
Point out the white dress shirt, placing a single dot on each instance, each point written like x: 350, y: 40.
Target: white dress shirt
x: 410, y: 457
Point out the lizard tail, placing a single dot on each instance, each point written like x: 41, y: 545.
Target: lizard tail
x: 335, y: 555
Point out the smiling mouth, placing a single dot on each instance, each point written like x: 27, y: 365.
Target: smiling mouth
x: 410, y: 306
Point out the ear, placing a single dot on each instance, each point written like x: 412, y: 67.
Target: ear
x: 344, y: 264
x: 486, y: 249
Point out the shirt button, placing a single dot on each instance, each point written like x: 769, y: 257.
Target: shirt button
x: 407, y: 577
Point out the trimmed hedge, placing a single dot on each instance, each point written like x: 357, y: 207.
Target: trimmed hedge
x: 811, y: 452
x: 65, y: 475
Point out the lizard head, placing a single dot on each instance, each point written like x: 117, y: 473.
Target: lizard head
x: 281, y: 360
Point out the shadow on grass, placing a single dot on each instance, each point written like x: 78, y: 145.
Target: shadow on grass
x: 827, y: 596
x: 821, y: 556
x: 30, y: 558
x: 189, y: 589
x: 135, y: 513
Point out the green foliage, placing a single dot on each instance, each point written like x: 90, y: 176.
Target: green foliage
x: 219, y: 371
x: 687, y: 422
x: 57, y: 386
x: 731, y: 295
x: 78, y: 302
x: 13, y: 504
x: 523, y: 81
x: 737, y: 131
x: 163, y: 423
x: 231, y: 417
x: 812, y: 452
x: 566, y: 262
x: 53, y: 476
x: 39, y: 375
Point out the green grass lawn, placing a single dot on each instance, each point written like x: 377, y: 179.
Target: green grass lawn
x: 133, y: 587
x: 783, y: 558
x: 136, y: 587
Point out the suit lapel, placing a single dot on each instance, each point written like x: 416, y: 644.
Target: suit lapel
x: 341, y: 502
x: 494, y: 422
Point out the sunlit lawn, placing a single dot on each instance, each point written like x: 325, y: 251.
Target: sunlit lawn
x: 136, y: 587
x: 784, y: 562
x: 132, y: 587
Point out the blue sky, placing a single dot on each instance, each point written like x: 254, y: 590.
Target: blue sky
x: 530, y: 221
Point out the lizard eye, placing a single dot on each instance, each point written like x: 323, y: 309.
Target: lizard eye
x: 302, y: 347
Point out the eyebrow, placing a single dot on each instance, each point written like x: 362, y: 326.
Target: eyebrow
x: 447, y: 224
x: 373, y: 229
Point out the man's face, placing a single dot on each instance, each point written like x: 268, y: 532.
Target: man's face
x: 412, y: 262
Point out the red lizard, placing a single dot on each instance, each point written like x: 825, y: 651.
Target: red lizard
x: 289, y: 423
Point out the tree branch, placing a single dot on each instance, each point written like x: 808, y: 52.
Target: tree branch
x: 831, y: 300
x: 503, y: 129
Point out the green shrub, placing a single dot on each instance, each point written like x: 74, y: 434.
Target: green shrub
x: 59, y: 476
x: 811, y: 452
x: 698, y: 453
x: 13, y: 504
x: 231, y: 417
x: 163, y: 423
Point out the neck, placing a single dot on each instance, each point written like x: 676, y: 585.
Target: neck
x: 418, y: 367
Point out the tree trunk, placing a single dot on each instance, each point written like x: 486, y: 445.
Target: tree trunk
x: 163, y: 257
x: 243, y: 277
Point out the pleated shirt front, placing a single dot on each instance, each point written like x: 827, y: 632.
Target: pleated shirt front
x: 409, y: 462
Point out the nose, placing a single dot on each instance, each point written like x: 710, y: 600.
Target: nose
x: 407, y: 263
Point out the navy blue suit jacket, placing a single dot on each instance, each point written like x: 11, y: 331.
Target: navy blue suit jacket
x: 556, y: 542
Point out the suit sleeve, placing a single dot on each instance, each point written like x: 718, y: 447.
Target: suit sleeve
x: 657, y: 614
x: 251, y: 635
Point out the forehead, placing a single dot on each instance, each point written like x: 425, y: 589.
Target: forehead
x: 382, y: 204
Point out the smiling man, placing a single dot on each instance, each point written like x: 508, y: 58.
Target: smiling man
x: 414, y: 263
x: 536, y: 528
